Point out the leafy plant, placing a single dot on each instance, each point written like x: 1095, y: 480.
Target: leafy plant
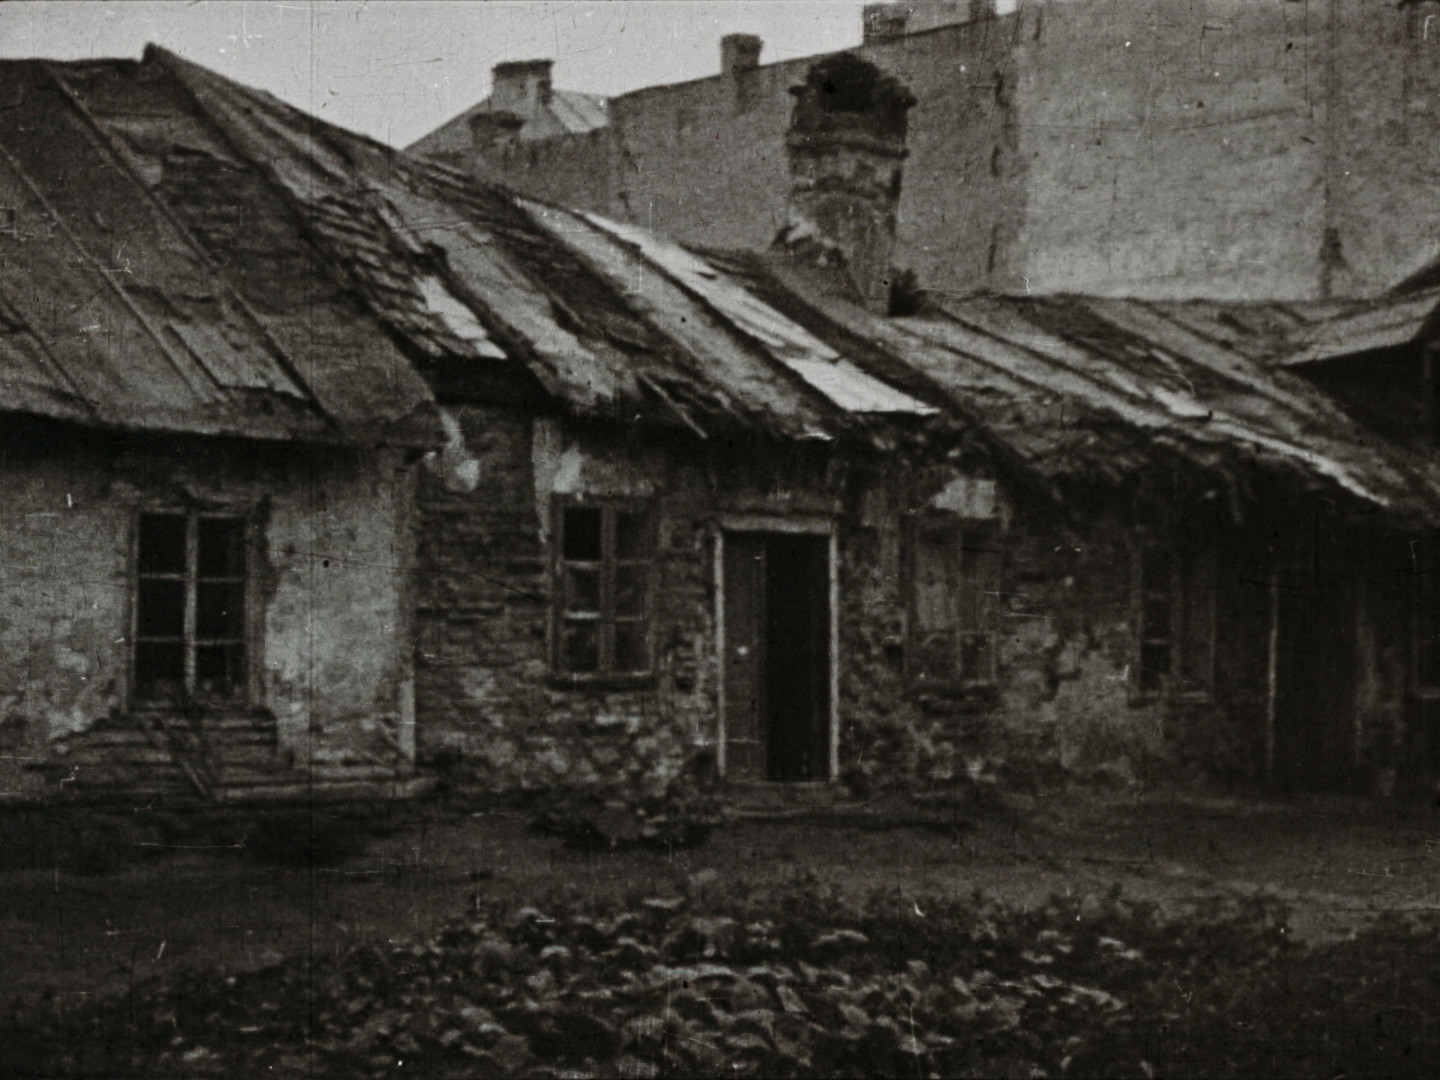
x: 789, y: 982
x: 683, y: 814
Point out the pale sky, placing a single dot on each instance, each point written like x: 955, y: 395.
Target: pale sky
x: 395, y: 69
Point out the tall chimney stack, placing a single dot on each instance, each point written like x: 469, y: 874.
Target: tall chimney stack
x: 884, y: 21
x: 521, y: 87
x: 739, y: 53
x: 846, y: 150
x: 491, y: 135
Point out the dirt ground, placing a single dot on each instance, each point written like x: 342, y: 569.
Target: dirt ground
x: 1336, y: 862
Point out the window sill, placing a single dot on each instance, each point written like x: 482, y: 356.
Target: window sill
x: 601, y: 683
x: 955, y: 698
x: 1189, y: 697
x: 199, y: 708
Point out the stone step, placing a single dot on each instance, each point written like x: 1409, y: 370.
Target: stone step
x: 779, y: 793
x: 123, y: 737
x: 159, y: 750
x: 335, y: 789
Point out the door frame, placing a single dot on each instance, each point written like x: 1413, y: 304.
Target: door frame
x: 808, y: 525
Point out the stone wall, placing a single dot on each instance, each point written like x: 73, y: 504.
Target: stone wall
x: 489, y: 709
x: 333, y: 652
x: 485, y: 699
x: 1065, y: 702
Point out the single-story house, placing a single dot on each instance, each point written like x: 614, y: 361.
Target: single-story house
x: 770, y: 511
x: 778, y: 515
x: 208, y: 456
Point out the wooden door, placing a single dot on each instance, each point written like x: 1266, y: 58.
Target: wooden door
x: 797, y: 657
x: 744, y: 659
x: 777, y: 656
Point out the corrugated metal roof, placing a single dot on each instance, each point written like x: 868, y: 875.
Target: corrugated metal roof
x: 578, y: 112
x: 605, y: 318
x: 815, y: 362
x: 458, y: 318
x: 1075, y: 387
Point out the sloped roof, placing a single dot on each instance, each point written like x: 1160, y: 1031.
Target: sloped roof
x: 1075, y: 387
x: 605, y: 319
x: 1363, y: 326
x: 567, y: 112
x: 569, y: 301
x: 111, y: 313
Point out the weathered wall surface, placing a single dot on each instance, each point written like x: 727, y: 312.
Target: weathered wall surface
x: 1385, y: 144
x: 705, y: 160
x: 1221, y: 148
x: 331, y: 572
x: 484, y: 697
x: 488, y: 708
x: 1174, y: 149
x: 1229, y: 148
x: 1064, y: 703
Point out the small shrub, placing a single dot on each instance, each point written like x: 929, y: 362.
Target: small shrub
x: 681, y: 815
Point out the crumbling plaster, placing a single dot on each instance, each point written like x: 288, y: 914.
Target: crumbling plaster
x: 488, y: 709
x: 333, y: 648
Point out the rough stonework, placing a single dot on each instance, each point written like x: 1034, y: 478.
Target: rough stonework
x: 1063, y: 701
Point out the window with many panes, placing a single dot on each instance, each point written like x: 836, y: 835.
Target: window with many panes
x: 954, y: 603
x: 1175, y: 616
x: 602, y: 591
x: 191, y: 575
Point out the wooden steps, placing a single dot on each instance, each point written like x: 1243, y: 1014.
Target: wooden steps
x: 218, y: 759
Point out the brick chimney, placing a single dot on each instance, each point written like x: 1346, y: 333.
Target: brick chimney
x: 522, y: 87
x: 491, y: 134
x: 883, y: 21
x: 739, y: 53
x: 846, y: 150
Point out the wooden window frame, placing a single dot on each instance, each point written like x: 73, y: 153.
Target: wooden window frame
x: 246, y: 694
x: 1192, y: 570
x: 972, y: 534
x: 606, y: 676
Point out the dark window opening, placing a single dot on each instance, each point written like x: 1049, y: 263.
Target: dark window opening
x: 1175, y: 620
x: 190, y: 609
x: 1425, y: 557
x: 906, y: 295
x: 954, y: 604
x: 602, y: 591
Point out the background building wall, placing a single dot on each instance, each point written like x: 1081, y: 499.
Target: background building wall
x: 1174, y: 149
x: 705, y: 160
x: 1215, y: 148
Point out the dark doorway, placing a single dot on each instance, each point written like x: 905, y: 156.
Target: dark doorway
x: 777, y: 656
x: 1315, y: 676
